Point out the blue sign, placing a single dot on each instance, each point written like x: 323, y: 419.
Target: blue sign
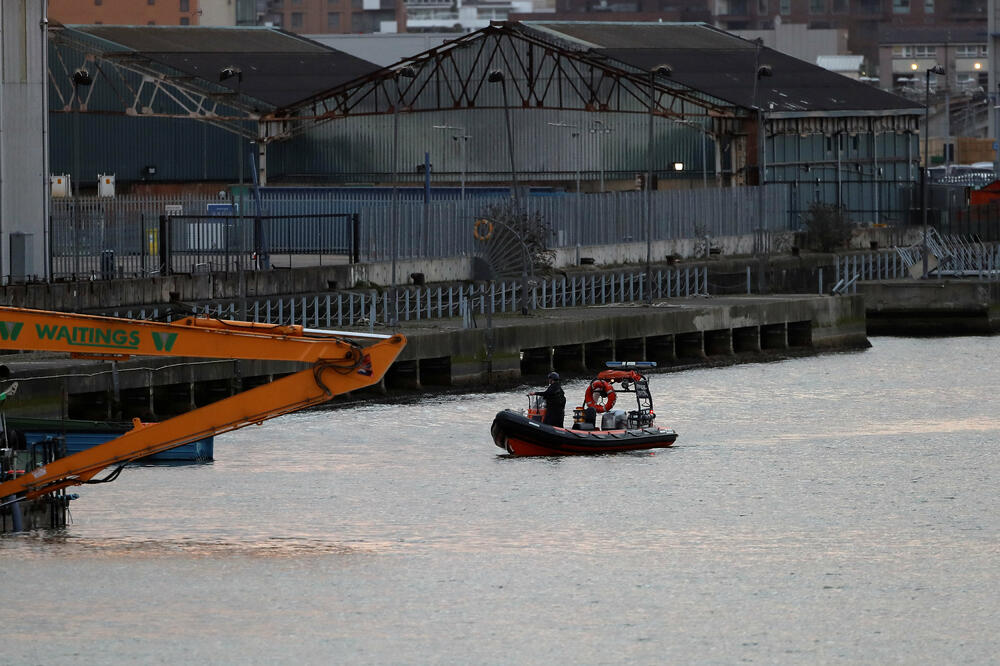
x: 222, y: 209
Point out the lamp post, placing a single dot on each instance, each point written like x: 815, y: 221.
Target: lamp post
x: 760, y: 71
x: 225, y: 74
x: 406, y: 72
x: 81, y: 77
x: 497, y: 76
x: 936, y: 69
x: 662, y: 70
x: 462, y: 138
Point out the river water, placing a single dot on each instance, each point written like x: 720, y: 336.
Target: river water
x: 834, y: 509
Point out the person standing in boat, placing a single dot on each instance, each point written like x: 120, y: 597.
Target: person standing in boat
x: 555, y: 401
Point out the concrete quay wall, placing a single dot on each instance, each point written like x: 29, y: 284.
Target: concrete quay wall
x: 932, y: 307
x: 581, y: 340
x: 679, y: 332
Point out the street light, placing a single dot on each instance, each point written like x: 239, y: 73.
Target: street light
x: 760, y: 71
x: 497, y: 76
x: 405, y: 72
x: 462, y: 137
x: 81, y: 77
x: 936, y: 69
x: 225, y: 74
x: 661, y: 70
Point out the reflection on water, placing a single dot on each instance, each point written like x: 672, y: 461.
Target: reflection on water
x: 831, y: 509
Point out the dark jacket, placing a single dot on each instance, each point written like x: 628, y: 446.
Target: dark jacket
x: 555, y: 404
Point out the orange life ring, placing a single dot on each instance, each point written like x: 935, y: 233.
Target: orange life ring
x: 602, y: 387
x: 482, y: 230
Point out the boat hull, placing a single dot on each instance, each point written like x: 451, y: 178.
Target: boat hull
x: 82, y: 435
x: 516, y: 434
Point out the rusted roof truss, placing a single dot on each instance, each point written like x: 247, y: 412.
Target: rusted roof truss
x: 141, y: 88
x: 539, y: 74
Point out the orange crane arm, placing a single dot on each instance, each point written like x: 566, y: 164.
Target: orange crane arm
x: 337, y: 366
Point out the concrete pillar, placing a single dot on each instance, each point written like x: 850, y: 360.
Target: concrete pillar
x: 24, y: 150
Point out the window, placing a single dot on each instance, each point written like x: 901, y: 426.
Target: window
x: 333, y: 21
x: 296, y: 20
x: 357, y: 22
x: 761, y: 7
x: 185, y: 20
x: 917, y: 51
x: 98, y: 3
x: 185, y: 5
x: 785, y: 7
x: 900, y: 6
x: 817, y: 6
x: 150, y: 2
x: 970, y: 51
x: 841, y: 6
x: 928, y: 6
x: 357, y: 4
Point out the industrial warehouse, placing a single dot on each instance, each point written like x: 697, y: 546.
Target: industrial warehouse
x: 592, y: 103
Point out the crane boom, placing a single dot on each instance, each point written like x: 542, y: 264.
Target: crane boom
x: 337, y: 366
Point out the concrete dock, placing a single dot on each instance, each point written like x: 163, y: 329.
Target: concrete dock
x: 447, y: 353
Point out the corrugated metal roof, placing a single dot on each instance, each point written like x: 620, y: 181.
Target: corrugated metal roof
x: 794, y: 86
x: 279, y: 68
x: 279, y: 79
x: 709, y: 60
x: 596, y: 34
x: 196, y: 39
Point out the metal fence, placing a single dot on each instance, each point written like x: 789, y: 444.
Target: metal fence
x: 953, y: 256
x: 95, y: 238
x: 376, y: 308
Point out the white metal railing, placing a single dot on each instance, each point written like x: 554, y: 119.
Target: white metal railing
x: 370, y: 308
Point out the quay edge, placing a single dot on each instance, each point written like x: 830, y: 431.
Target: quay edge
x: 932, y: 307
x: 672, y: 333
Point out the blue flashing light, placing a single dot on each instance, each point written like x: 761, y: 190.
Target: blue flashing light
x: 630, y: 364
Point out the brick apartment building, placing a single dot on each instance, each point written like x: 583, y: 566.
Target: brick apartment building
x: 125, y: 12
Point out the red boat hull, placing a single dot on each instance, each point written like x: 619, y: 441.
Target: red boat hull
x: 516, y: 434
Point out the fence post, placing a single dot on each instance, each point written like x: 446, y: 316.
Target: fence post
x: 356, y: 238
x: 164, y: 245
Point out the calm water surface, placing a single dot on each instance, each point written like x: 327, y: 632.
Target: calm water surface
x: 836, y: 509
